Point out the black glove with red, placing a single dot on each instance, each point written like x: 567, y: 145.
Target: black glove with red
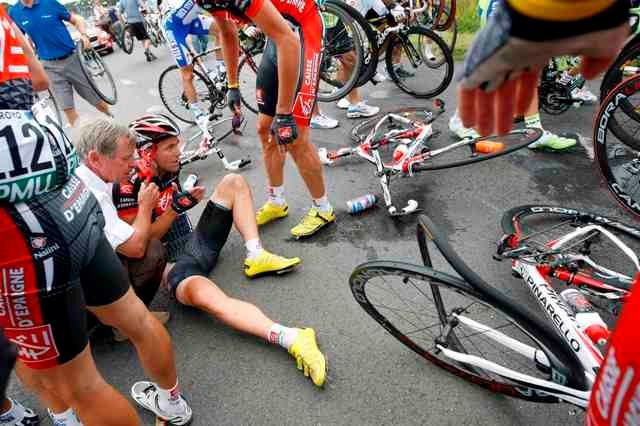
x: 284, y: 129
x: 183, y: 201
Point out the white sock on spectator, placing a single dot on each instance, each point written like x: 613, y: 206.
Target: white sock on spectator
x: 66, y: 418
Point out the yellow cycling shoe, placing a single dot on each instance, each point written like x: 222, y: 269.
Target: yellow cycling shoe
x: 270, y: 212
x: 308, y: 356
x: 268, y: 263
x: 312, y: 222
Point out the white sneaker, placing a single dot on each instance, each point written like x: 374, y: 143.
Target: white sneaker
x: 456, y: 127
x: 19, y: 415
x: 321, y: 121
x: 584, y: 95
x: 361, y: 110
x: 343, y: 103
x: 146, y: 395
x: 428, y: 53
x: 378, y: 78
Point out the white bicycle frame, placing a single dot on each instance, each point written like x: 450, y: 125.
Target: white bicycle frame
x: 561, y: 317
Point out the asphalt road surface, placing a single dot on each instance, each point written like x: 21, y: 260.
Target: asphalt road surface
x: 230, y: 378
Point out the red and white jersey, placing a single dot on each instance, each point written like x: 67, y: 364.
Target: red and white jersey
x: 13, y: 59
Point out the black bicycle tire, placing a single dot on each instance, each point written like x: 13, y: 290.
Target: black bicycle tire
x: 369, y: 69
x: 111, y: 100
x: 517, y: 311
x: 196, y: 74
x: 507, y: 222
x: 611, y: 79
x: 600, y: 148
x: 508, y: 150
x: 125, y: 49
x: 444, y: 26
x: 246, y: 103
x: 448, y: 61
x: 362, y: 273
x: 342, y: 8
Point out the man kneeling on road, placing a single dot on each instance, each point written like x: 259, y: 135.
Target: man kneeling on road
x: 231, y: 204
x: 107, y: 151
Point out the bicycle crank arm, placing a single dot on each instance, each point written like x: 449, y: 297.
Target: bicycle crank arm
x: 329, y: 157
x: 410, y: 208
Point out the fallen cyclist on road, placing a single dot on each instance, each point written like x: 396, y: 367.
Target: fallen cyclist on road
x: 231, y: 204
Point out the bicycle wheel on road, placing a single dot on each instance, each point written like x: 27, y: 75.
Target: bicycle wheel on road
x: 449, y: 35
x: 468, y: 152
x: 172, y: 93
x: 123, y: 37
x: 617, y: 158
x: 419, y: 62
x: 342, y: 53
x: 626, y: 65
x: 443, y: 319
x: 247, y: 74
x: 98, y: 74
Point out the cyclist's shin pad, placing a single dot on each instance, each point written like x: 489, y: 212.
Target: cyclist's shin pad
x: 201, y: 252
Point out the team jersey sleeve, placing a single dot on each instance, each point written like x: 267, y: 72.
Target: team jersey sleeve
x: 251, y: 7
x: 125, y: 198
x: 60, y: 11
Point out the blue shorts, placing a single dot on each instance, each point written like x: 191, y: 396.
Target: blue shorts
x: 177, y: 33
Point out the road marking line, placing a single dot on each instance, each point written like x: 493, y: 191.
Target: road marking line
x: 587, y: 144
x: 153, y: 109
x: 127, y: 82
x: 154, y: 93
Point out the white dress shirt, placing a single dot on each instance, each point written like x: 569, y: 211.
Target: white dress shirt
x: 117, y: 230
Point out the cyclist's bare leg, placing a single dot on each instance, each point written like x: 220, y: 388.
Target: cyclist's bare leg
x: 50, y: 399
x: 271, y: 154
x: 308, y: 162
x: 152, y: 342
x: 234, y: 193
x: 71, y: 115
x: 187, y: 83
x: 214, y: 32
x: 202, y: 293
x: 348, y: 60
x: 79, y: 384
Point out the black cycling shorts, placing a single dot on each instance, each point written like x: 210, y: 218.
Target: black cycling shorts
x: 138, y: 30
x: 54, y: 261
x: 201, y: 252
x: 310, y: 32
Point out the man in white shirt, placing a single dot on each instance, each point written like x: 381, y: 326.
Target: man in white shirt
x: 107, y: 149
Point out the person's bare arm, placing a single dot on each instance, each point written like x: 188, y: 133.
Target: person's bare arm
x: 78, y: 22
x: 136, y: 245
x: 274, y: 26
x: 230, y: 48
x: 39, y: 78
x: 162, y: 224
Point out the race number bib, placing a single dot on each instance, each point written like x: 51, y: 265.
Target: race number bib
x: 35, y: 156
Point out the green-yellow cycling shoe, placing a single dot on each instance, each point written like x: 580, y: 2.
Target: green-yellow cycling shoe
x: 550, y: 142
x: 312, y: 223
x: 308, y: 357
x: 269, y: 263
x: 270, y: 212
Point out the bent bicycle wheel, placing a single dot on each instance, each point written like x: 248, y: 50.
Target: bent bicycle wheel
x: 617, y: 159
x: 247, y: 75
x: 172, y: 93
x: 447, y: 322
x: 419, y: 62
x: 98, y: 75
x: 342, y: 56
x: 441, y: 153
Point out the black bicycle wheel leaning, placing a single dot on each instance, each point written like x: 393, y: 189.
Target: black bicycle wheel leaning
x: 172, y: 93
x: 627, y: 64
x: 419, y: 62
x: 342, y: 53
x: 247, y: 74
x: 125, y: 39
x: 98, y: 75
x: 619, y: 159
x: 447, y: 16
x: 444, y: 320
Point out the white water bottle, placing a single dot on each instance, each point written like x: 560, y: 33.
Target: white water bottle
x: 587, y: 320
x: 190, y: 182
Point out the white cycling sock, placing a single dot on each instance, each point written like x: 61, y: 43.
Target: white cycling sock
x: 66, y: 418
x: 281, y: 335
x: 322, y: 204
x: 169, y: 400
x: 254, y: 248
x: 533, y: 121
x: 276, y: 195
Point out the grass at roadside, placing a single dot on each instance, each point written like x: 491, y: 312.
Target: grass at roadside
x: 468, y: 24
